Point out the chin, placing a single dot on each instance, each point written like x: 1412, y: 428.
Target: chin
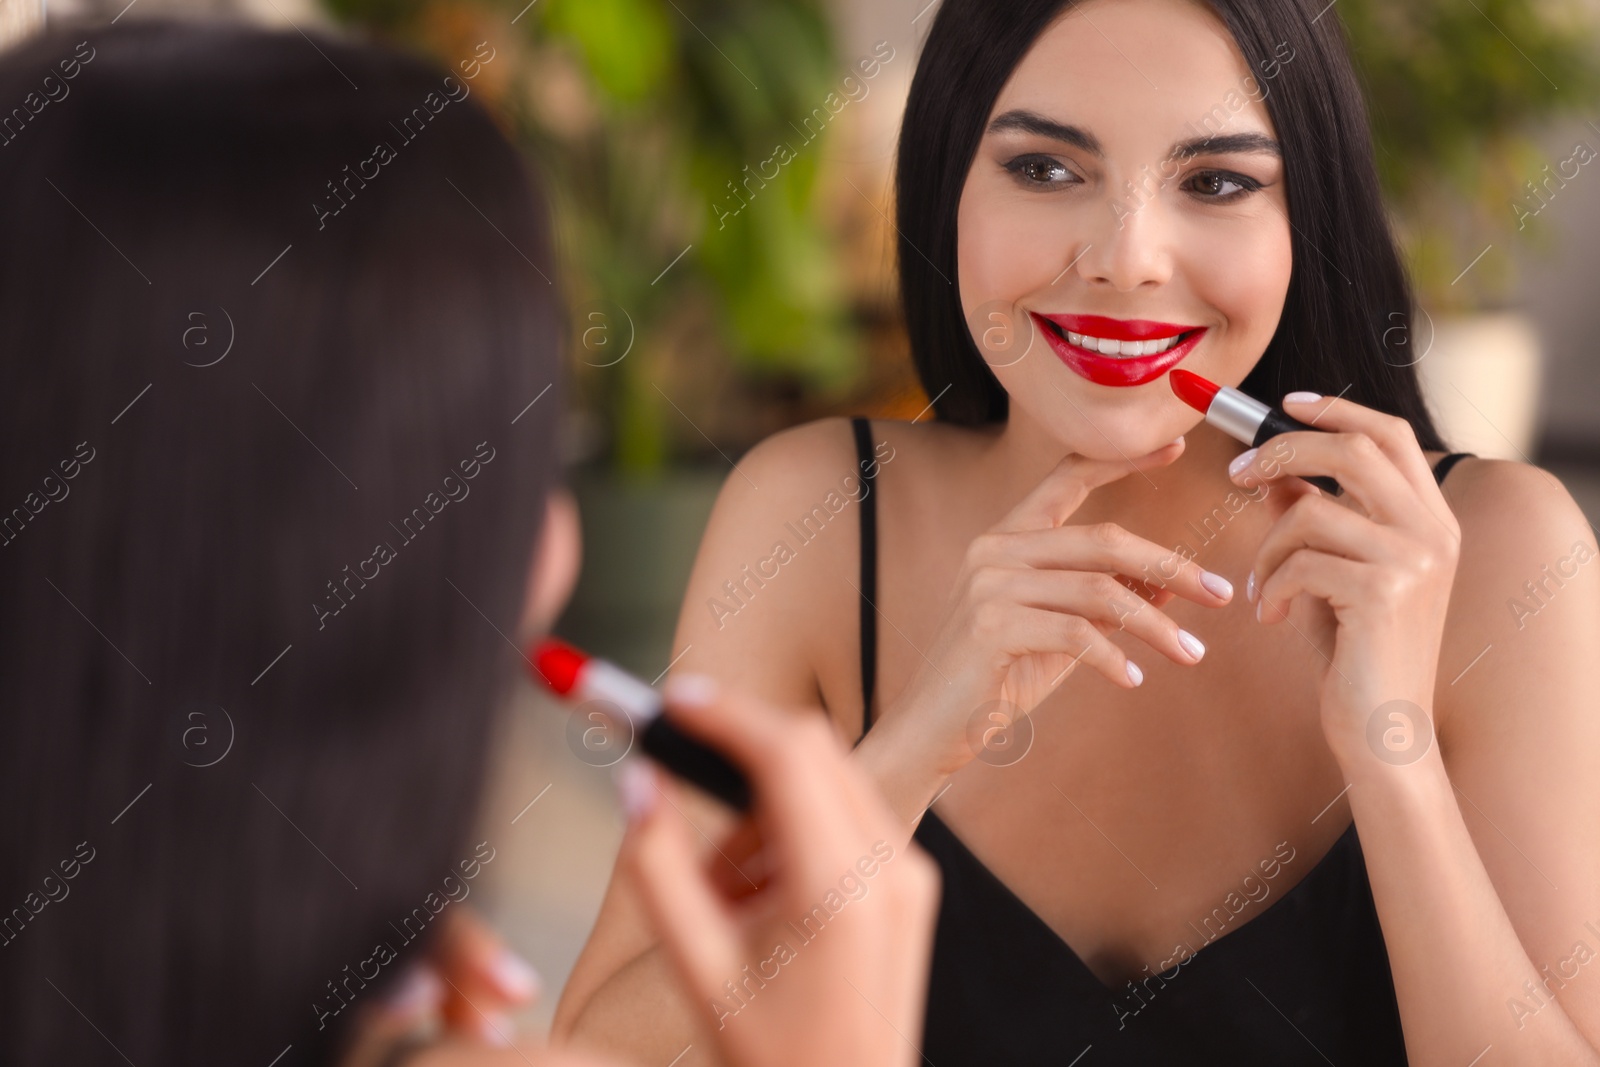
x: 1120, y: 431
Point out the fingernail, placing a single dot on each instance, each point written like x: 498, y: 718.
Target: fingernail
x: 1241, y: 461
x: 1135, y: 675
x: 1191, y: 644
x: 1216, y: 584
x: 516, y: 977
x: 1259, y: 606
x: 688, y: 688
x: 636, y: 786
x: 1178, y: 440
x: 1250, y: 588
x: 417, y: 990
x: 1301, y: 397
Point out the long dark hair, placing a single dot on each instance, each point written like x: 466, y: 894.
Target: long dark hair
x: 250, y: 595
x: 1346, y: 323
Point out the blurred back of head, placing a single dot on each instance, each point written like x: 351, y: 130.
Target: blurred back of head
x: 268, y: 312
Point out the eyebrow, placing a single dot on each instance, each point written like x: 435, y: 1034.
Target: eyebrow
x: 1216, y: 144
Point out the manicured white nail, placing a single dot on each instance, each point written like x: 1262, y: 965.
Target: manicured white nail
x: 1259, y: 605
x: 694, y: 689
x: 1216, y: 584
x: 1135, y: 675
x: 1250, y: 588
x: 418, y: 990
x: 1302, y: 397
x: 1241, y: 461
x: 1191, y: 644
x: 517, y: 979
x: 636, y: 787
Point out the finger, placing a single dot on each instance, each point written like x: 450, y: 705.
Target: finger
x: 1099, y: 598
x: 414, y: 998
x: 1320, y: 523
x: 794, y: 763
x: 1145, y: 591
x: 1335, y: 579
x: 1362, y: 469
x: 1036, y: 630
x: 1055, y: 498
x: 748, y: 868
x: 1113, y: 549
x: 1394, y: 435
x: 700, y: 936
x: 476, y: 958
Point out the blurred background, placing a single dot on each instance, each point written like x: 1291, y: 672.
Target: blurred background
x: 722, y: 176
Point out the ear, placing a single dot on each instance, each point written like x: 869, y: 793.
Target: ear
x: 554, y: 569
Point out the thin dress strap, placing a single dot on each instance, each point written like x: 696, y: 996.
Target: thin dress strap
x: 868, y: 469
x: 1442, y: 468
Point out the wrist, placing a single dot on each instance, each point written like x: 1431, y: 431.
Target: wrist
x: 907, y: 772
x: 1379, y: 763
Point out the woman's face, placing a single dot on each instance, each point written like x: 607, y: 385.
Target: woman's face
x: 1093, y: 207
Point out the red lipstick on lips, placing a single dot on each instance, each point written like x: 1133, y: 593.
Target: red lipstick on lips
x: 1102, y: 368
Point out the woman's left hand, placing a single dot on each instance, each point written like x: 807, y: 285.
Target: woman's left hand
x: 1364, y: 576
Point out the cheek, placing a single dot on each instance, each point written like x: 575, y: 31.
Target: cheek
x: 1253, y: 279
x: 1000, y: 249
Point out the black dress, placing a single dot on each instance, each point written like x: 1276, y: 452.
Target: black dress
x: 1304, y: 982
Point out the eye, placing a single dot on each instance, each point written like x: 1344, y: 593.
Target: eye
x: 1041, y: 171
x: 1221, y: 186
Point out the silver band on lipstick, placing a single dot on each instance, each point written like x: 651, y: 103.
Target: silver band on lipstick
x: 1236, y: 415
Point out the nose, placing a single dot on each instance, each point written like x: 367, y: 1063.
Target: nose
x: 1129, y: 248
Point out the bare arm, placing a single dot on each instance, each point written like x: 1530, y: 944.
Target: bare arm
x: 748, y: 608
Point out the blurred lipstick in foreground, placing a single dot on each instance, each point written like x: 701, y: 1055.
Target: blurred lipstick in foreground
x: 579, y: 678
x: 1241, y: 417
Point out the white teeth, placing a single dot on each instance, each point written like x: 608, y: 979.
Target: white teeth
x: 1121, y: 349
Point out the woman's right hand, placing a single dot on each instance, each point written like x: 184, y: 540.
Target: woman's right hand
x: 1034, y: 599
x: 823, y: 959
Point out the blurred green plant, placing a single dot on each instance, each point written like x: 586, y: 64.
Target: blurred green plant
x: 1455, y: 89
x: 644, y: 115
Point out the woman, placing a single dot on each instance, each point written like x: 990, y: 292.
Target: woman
x: 274, y: 315
x: 1228, y: 829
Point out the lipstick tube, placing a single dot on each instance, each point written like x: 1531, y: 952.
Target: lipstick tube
x: 579, y: 678
x: 1243, y: 417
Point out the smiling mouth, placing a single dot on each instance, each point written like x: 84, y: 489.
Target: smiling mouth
x: 1119, y: 361
x: 1119, y: 349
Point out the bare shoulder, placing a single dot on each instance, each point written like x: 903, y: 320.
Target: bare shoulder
x: 1510, y: 513
x: 770, y: 583
x: 1524, y: 584
x: 773, y: 599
